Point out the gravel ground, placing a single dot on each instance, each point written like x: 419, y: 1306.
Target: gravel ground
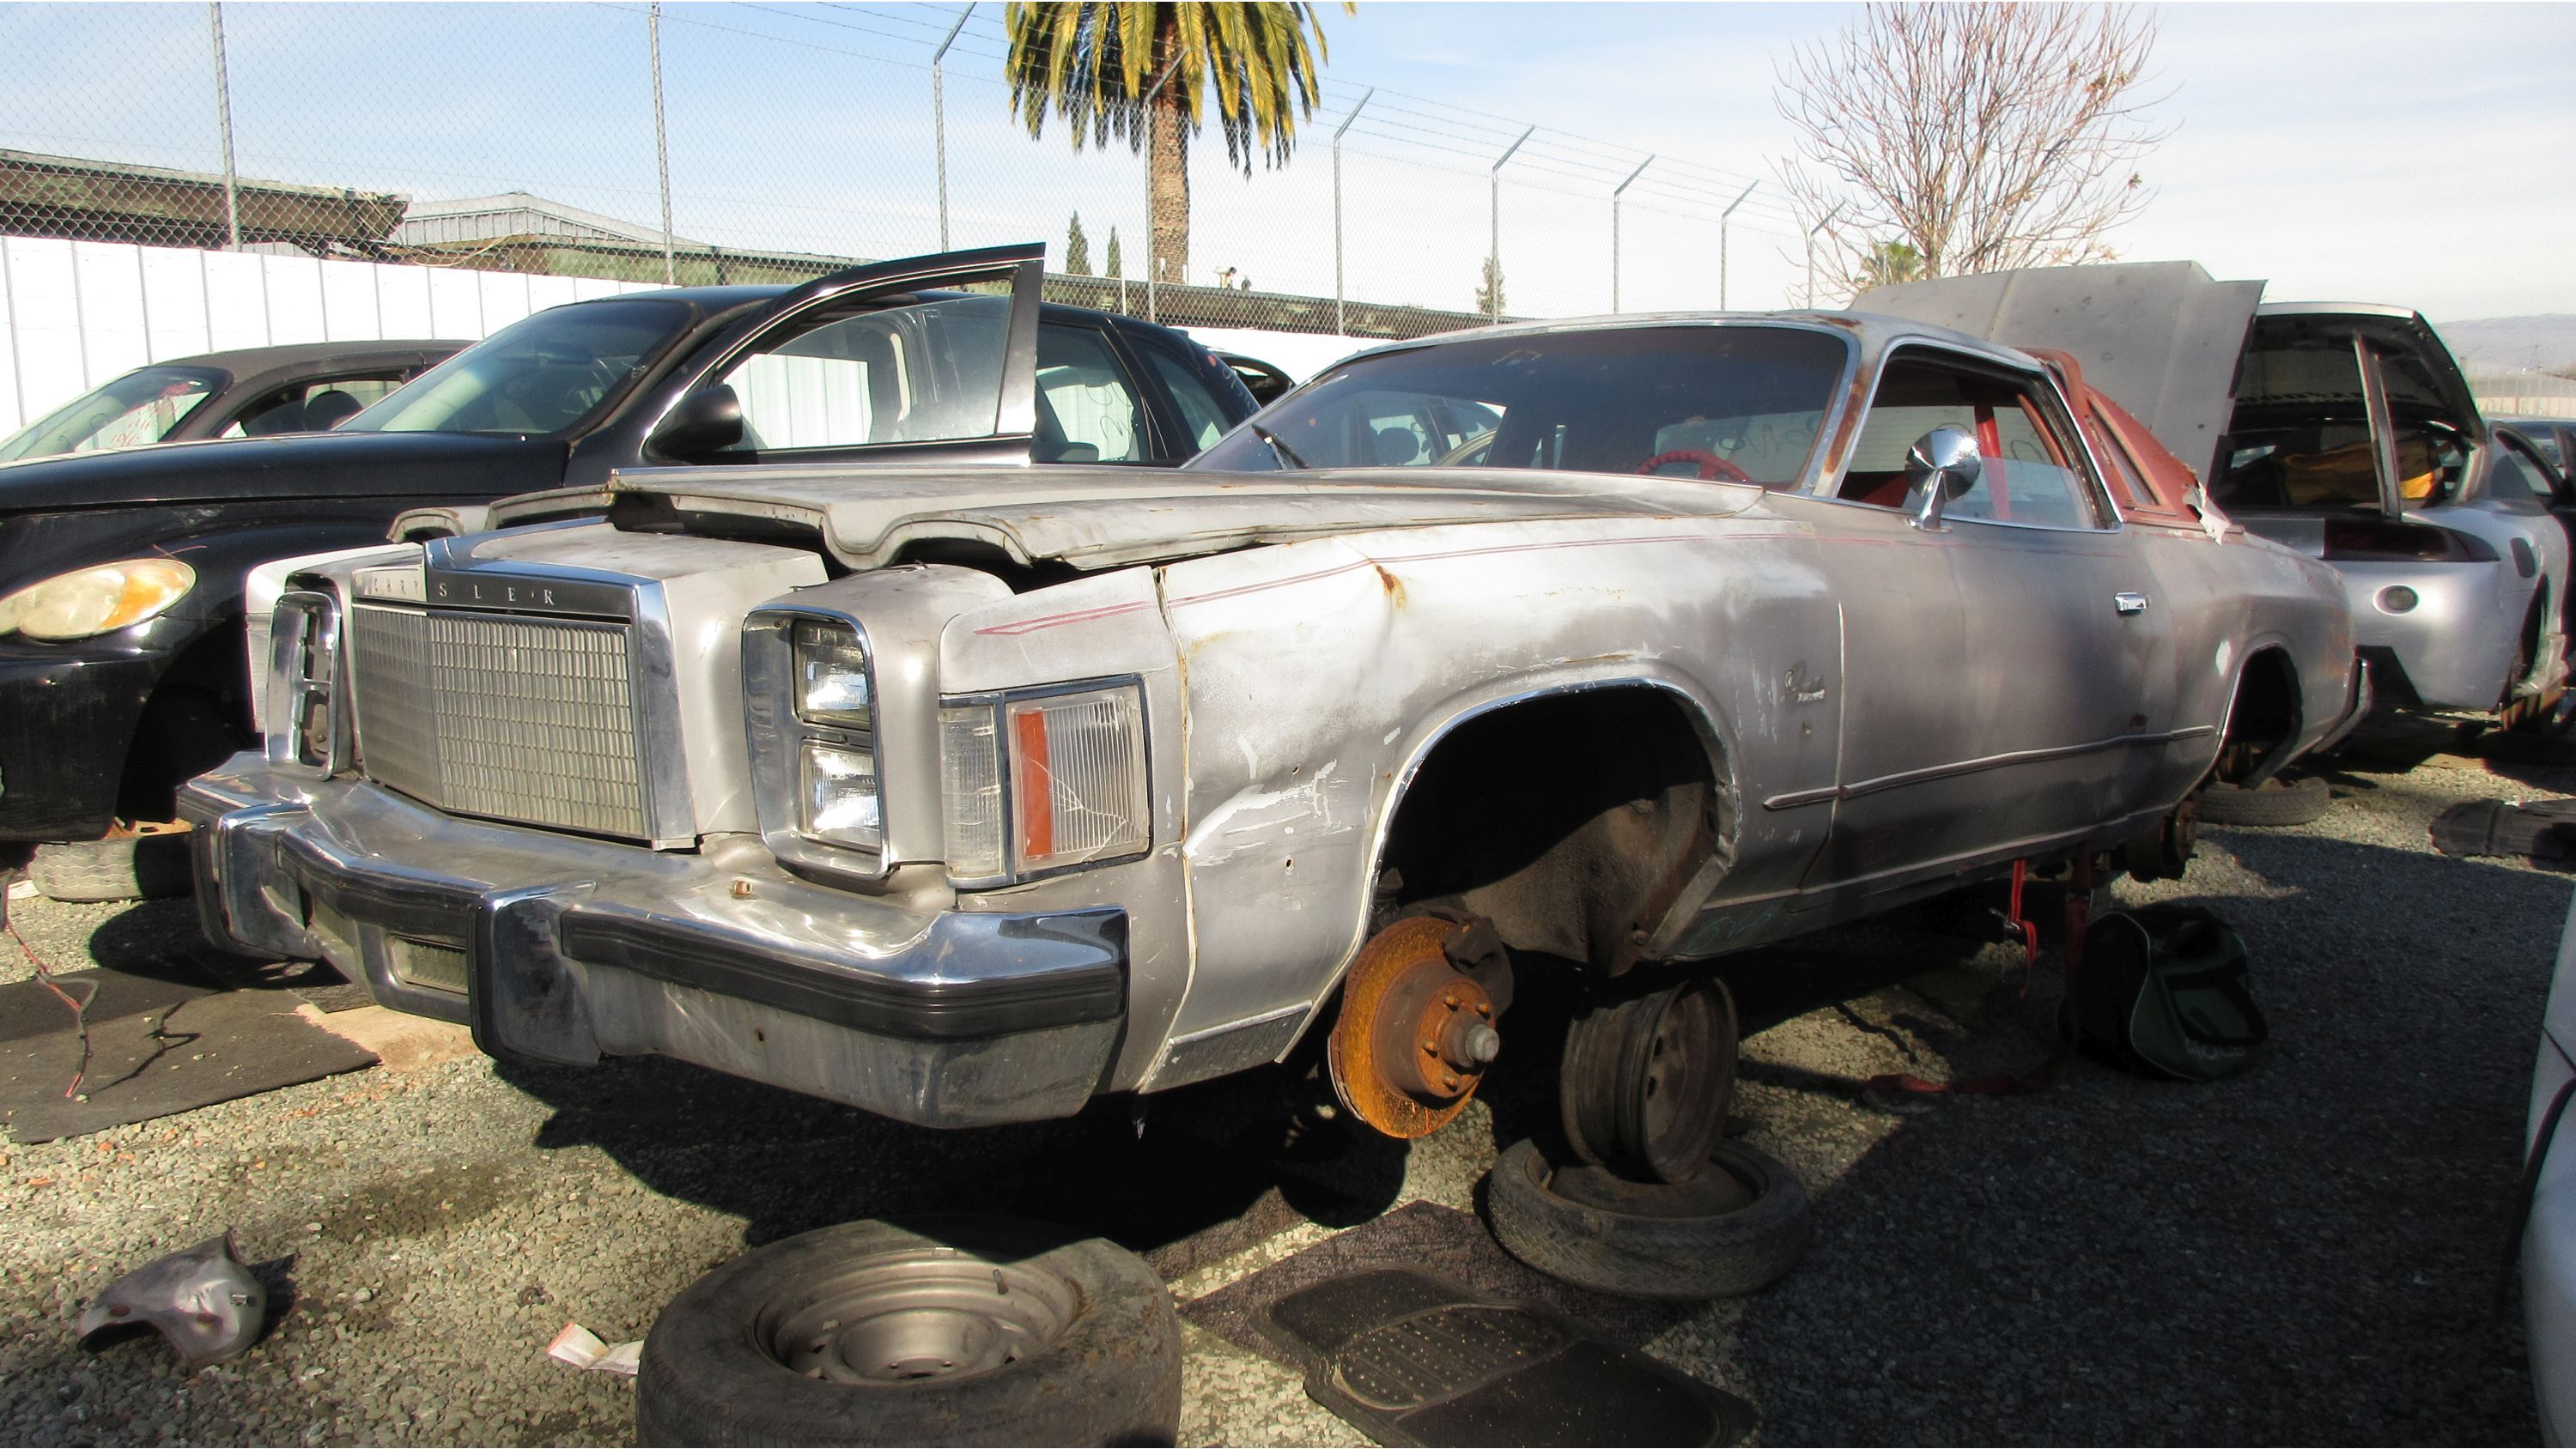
x: 2307, y: 1253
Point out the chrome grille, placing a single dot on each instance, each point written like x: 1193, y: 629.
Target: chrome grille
x: 523, y: 719
x: 427, y: 963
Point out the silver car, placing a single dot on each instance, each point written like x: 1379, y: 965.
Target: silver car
x: 2343, y: 430
x: 969, y: 795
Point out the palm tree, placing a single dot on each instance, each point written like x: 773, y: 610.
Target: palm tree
x: 1888, y: 263
x: 1096, y: 63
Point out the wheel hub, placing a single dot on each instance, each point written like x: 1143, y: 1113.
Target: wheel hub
x: 919, y: 1314
x: 1415, y: 1033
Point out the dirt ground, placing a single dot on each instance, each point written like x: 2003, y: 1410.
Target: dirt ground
x: 2306, y: 1253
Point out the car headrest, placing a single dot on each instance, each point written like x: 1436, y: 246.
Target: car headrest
x: 325, y: 410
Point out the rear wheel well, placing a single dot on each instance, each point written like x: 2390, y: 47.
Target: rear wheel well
x: 1572, y: 822
x: 2264, y: 720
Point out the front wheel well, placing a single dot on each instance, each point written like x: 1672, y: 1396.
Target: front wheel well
x: 1573, y: 822
x: 197, y: 715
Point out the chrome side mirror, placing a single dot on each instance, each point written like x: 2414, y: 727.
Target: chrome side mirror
x: 1941, y: 465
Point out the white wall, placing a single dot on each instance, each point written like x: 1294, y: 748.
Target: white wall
x: 80, y: 313
x: 1299, y: 354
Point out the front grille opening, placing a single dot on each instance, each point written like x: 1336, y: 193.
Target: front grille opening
x: 426, y: 964
x: 509, y: 717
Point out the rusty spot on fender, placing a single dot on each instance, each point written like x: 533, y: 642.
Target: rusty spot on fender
x: 1393, y: 585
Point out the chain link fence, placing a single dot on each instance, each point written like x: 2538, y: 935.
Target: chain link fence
x: 760, y: 143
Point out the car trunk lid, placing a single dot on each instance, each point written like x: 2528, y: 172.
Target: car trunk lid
x: 2164, y: 338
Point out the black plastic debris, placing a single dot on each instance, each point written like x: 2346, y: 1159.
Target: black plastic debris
x: 1412, y: 1358
x: 2542, y: 831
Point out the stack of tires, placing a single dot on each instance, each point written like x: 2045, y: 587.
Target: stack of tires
x: 1649, y: 1198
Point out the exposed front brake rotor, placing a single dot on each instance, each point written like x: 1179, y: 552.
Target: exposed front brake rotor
x: 1415, y: 1033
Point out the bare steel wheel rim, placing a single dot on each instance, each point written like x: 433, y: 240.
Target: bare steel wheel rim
x: 915, y: 1314
x: 1647, y: 1080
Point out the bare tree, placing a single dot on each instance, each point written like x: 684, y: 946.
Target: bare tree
x: 1979, y: 137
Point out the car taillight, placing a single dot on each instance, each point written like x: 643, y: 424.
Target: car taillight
x: 2389, y: 541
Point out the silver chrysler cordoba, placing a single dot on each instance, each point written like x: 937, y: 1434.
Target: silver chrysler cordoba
x: 969, y: 795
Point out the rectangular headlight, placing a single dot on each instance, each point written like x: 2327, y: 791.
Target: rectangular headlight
x: 837, y: 796
x: 831, y: 676
x: 1078, y: 789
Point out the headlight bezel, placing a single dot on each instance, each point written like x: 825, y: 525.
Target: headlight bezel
x: 307, y: 668
x: 778, y: 732
x: 178, y: 581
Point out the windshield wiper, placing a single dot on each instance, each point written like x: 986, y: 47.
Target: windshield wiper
x: 1286, y: 455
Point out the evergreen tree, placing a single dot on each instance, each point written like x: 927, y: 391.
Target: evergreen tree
x: 1077, y: 250
x: 1116, y: 269
x: 1489, y: 292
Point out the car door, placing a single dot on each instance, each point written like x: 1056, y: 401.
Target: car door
x: 932, y: 359
x: 1993, y: 673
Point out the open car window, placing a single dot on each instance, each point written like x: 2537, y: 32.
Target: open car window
x: 1608, y: 401
x: 2028, y: 469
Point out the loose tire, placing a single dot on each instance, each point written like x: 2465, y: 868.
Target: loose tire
x: 939, y: 1330
x: 2270, y: 803
x: 1733, y: 1229
x: 143, y: 866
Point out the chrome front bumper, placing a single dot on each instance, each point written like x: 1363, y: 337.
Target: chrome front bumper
x: 569, y: 949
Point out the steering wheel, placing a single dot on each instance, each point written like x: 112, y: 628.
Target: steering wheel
x: 1712, y: 468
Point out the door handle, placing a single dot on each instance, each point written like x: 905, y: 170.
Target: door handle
x: 2129, y: 603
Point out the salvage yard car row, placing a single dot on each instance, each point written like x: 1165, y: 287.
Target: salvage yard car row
x: 790, y: 728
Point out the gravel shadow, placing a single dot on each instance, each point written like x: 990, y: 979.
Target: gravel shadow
x: 1225, y: 1155
x: 2307, y: 1253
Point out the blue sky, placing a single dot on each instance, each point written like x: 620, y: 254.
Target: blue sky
x: 2389, y: 152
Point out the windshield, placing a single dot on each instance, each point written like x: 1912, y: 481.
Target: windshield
x: 543, y: 375
x: 1616, y: 400
x: 140, y: 407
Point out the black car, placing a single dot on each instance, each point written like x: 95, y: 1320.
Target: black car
x: 253, y: 392
x: 121, y: 654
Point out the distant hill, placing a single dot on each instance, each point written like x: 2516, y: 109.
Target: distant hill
x: 2547, y: 341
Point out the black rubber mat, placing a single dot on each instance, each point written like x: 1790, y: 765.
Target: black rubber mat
x: 1452, y: 1246
x: 156, y: 1047
x: 1410, y: 1357
x: 2543, y: 831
